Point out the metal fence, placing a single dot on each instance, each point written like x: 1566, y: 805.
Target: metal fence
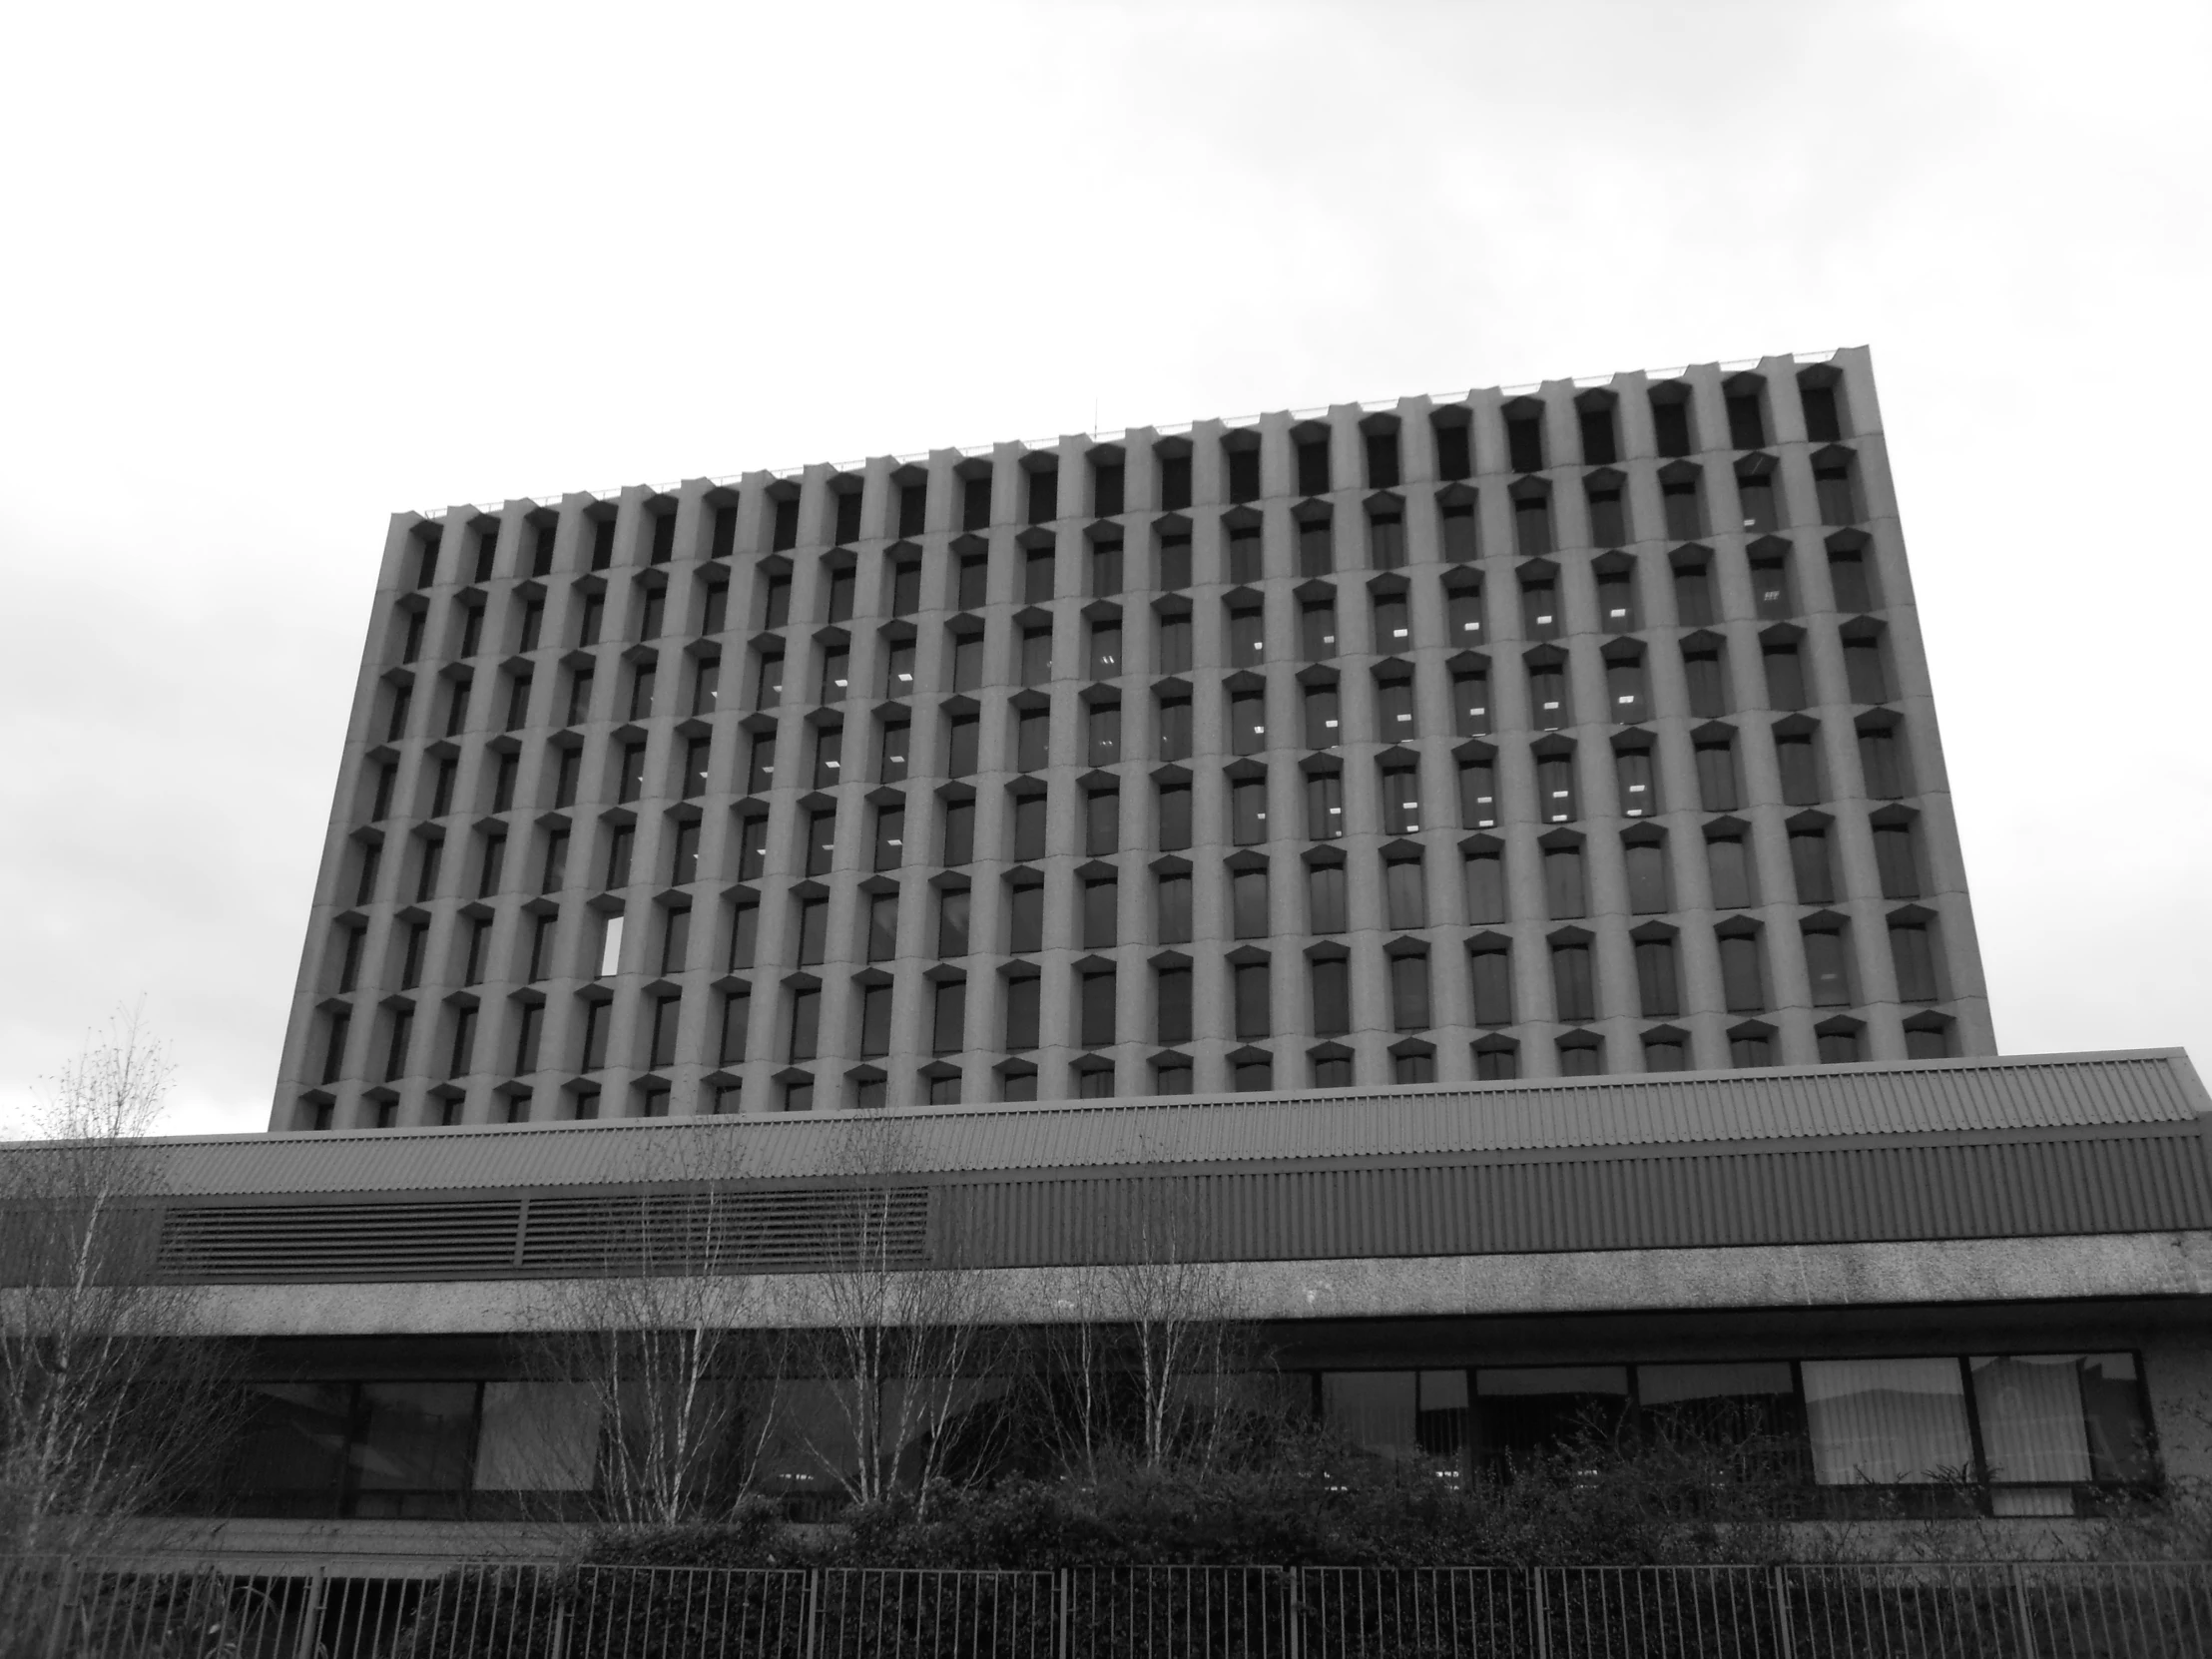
x: 1979, y: 1610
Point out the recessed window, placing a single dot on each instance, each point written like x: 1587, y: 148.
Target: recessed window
x: 1454, y: 450
x: 1670, y: 418
x: 1323, y: 718
x: 1248, y: 724
x: 1912, y: 954
x: 1248, y: 811
x: 957, y: 836
x: 1784, y: 667
x: 805, y: 1024
x: 1102, y: 913
x: 962, y: 734
x: 1325, y: 899
x: 1037, y: 576
x: 1175, y: 817
x: 1743, y: 971
x: 913, y: 508
x: 1828, y: 965
x: 1497, y: 1063
x: 1608, y: 513
x: 1332, y: 990
x: 1657, y: 979
x: 1747, y: 426
x: 1719, y: 788
x: 814, y: 929
x: 1555, y: 797
x: 1393, y: 710
x: 1485, y: 886
x: 1324, y: 805
x: 1175, y: 562
x: 1645, y: 865
x: 883, y: 926
x: 1024, y: 916
x: 1172, y: 997
x: 948, y: 1017
x: 1666, y: 1051
x: 1023, y: 1005
x: 953, y: 910
x: 1101, y: 823
x: 1410, y: 991
x: 1317, y: 619
x: 1693, y: 594
x: 1637, y: 782
x: 1393, y: 622
x: 1582, y: 1055
x: 890, y: 838
x: 1246, y: 636
x: 1479, y: 794
x: 1171, y: 1077
x: 1029, y: 827
x: 1102, y: 727
x: 1171, y: 898
x: 1574, y: 982
x: 1401, y: 809
x: 1316, y: 547
x: 891, y: 755
x: 1728, y: 867
x: 1456, y: 520
x: 1491, y: 971
x: 1406, y: 893
x: 1849, y: 576
x: 1096, y: 993
x: 1564, y: 887
x: 1032, y: 739
x: 1249, y: 993
x: 905, y: 587
x: 1540, y: 615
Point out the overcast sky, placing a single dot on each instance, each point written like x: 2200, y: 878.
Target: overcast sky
x: 274, y: 272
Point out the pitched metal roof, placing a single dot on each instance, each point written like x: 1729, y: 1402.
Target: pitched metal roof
x: 2154, y: 1086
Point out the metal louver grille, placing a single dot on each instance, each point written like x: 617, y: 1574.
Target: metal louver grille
x: 729, y: 1232
x: 314, y: 1242
x: 744, y: 1230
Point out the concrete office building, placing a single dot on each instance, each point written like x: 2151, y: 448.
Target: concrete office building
x: 1569, y: 729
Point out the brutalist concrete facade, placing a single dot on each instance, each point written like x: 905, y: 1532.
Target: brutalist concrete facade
x: 1581, y: 728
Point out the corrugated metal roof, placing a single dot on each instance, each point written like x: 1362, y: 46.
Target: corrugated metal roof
x: 1917, y: 1097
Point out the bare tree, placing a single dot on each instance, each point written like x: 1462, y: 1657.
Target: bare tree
x: 113, y: 1394
x: 900, y: 1344
x: 1146, y: 1363
x: 656, y: 1387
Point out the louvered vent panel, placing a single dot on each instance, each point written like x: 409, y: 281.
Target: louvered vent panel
x: 730, y: 1232
x: 272, y: 1244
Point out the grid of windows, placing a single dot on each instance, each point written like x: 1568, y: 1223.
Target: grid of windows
x: 1501, y: 726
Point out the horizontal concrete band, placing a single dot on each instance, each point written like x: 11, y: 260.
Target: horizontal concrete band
x: 2168, y: 1263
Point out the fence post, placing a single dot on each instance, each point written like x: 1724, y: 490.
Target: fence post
x: 1294, y: 1631
x: 2022, y: 1618
x: 1064, y: 1594
x: 310, y: 1615
x: 65, y: 1601
x: 1539, y: 1615
x: 1785, y: 1636
x: 813, y: 1613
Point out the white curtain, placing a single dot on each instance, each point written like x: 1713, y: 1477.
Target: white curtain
x: 2031, y: 1418
x: 1889, y: 1422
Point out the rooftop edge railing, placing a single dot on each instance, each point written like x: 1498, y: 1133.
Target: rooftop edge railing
x: 1115, y: 435
x: 492, y: 1610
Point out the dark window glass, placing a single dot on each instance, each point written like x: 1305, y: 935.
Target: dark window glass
x: 1036, y: 577
x: 1029, y: 827
x: 949, y: 1018
x: 952, y: 921
x: 1717, y: 790
x: 1897, y: 860
x: 1656, y: 980
x: 972, y: 591
x: 1563, y: 884
x: 1317, y: 629
x: 1174, y: 728
x: 1454, y: 454
x: 1023, y: 1003
x: 1172, y: 905
x: 1254, y: 1018
x: 1025, y: 916
x: 1248, y: 892
x: 1486, y: 880
x: 1402, y: 811
x: 1729, y: 867
x: 891, y: 764
x: 1573, y: 989
x: 883, y: 926
x: 1913, y: 952
x: 959, y: 832
x: 1547, y: 695
x: 1101, y: 921
x: 1097, y: 1024
x: 1332, y: 977
x: 1609, y: 519
x: 1799, y: 764
x: 976, y: 503
x: 1032, y: 739
x: 1646, y: 866
x: 1555, y: 801
x: 1409, y: 992
x: 1325, y: 899
x: 814, y: 929
x: 1322, y: 722
x: 1317, y: 548
x: 1175, y: 817
x: 1881, y: 757
x: 1104, y: 731
x: 1742, y: 980
x: 875, y: 1020
x: 1248, y: 811
x: 1785, y: 676
x: 1243, y: 474
x: 961, y: 733
x: 1385, y: 540
x: 890, y: 837
x: 1244, y: 555
x: 1102, y: 823
x: 1324, y: 805
x: 1247, y: 637
x: 1533, y: 526
x: 1479, y: 794
x: 906, y: 587
x: 1864, y: 670
x: 1540, y: 609
x: 1406, y: 893
x: 1174, y: 483
x: 745, y: 933
x: 1828, y: 967
x: 1171, y: 999
x: 1693, y: 596
x: 1492, y: 974
x: 1248, y: 727
x: 1175, y: 562
x: 913, y: 508
x: 1846, y: 573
